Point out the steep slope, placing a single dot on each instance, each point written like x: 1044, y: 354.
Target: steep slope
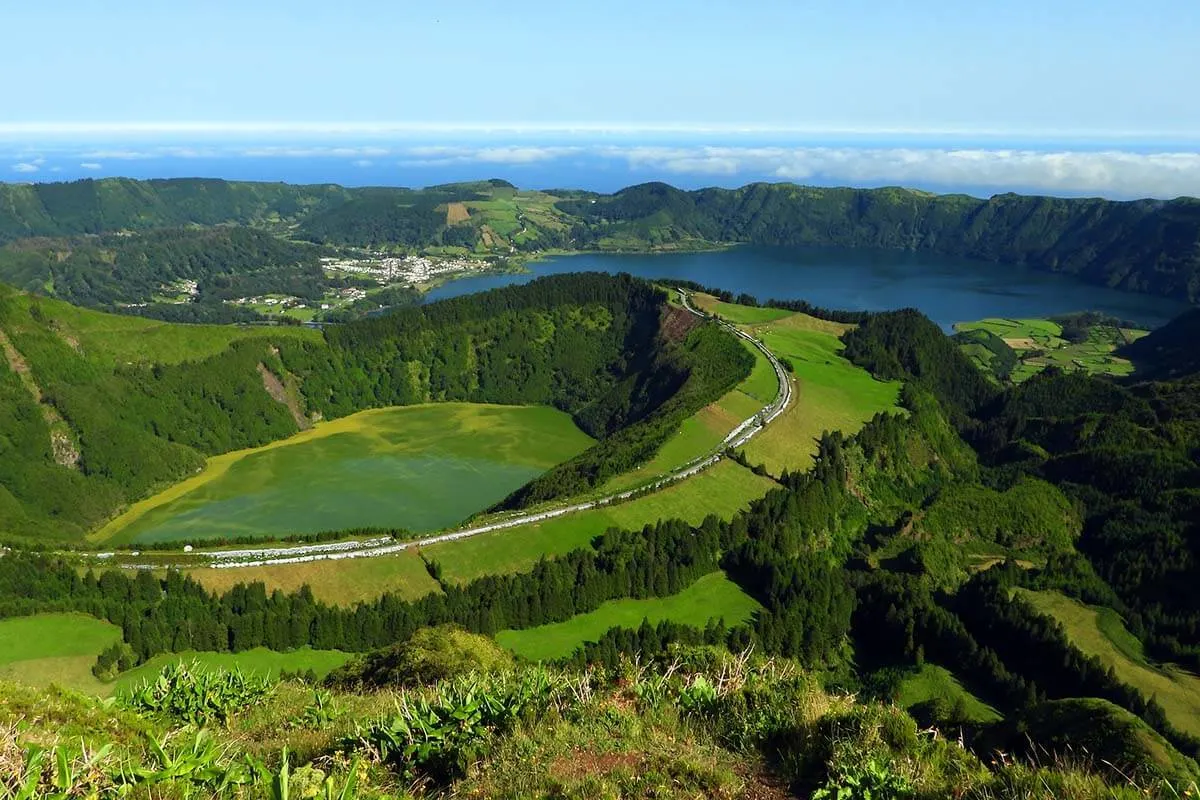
x: 1170, y: 352
x: 1144, y: 246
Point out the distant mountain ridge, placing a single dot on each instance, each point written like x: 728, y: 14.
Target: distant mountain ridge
x: 1147, y: 246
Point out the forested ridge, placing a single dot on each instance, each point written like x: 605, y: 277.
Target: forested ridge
x: 1145, y: 246
x: 567, y: 341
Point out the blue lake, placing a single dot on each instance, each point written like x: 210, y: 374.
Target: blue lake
x: 947, y: 290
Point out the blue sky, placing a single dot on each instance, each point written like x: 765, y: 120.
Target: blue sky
x: 1056, y: 96
x: 1020, y: 66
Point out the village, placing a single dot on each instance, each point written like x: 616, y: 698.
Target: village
x: 412, y: 269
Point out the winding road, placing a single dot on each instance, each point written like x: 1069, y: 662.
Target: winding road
x: 372, y: 548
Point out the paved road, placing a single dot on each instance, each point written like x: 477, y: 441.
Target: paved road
x: 371, y: 548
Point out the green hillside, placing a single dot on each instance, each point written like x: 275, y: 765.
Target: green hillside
x: 1142, y: 246
x: 85, y: 432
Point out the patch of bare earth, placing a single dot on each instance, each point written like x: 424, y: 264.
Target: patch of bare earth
x: 677, y: 323
x: 580, y: 764
x: 279, y: 394
x: 1021, y: 343
x: 762, y: 786
x: 62, y: 443
x: 457, y: 212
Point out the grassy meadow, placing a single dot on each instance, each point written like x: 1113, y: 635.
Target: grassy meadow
x: 724, y: 489
x: 111, y: 340
x: 1100, y: 632
x: 932, y: 682
x: 830, y: 392
x: 421, y: 468
x: 259, y: 661
x: 342, y: 582
x: 713, y: 596
x: 60, y: 649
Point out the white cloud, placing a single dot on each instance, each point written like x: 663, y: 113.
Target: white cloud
x: 1110, y: 172
x: 25, y: 167
x: 92, y: 165
x: 276, y: 151
x: 363, y: 162
x: 118, y: 155
x: 437, y: 155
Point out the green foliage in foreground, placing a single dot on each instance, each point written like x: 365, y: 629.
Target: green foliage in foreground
x: 695, y: 724
x: 196, y: 696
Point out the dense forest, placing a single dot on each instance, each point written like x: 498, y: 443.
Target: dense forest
x: 588, y: 344
x: 1142, y: 246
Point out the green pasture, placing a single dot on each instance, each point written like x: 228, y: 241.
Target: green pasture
x: 1101, y: 633
x: 59, y: 649
x: 830, y: 393
x: 420, y: 468
x: 259, y: 661
x: 343, y: 582
x: 738, y: 315
x: 723, y: 490
x: 712, y: 596
x: 932, y: 682
x: 114, y: 339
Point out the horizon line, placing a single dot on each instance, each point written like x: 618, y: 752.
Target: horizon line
x: 218, y: 128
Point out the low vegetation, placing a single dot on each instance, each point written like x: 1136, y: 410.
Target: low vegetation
x: 696, y: 723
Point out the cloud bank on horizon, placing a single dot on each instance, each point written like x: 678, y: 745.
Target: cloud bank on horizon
x: 1101, y: 170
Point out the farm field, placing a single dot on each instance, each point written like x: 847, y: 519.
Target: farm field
x: 420, y: 468
x: 936, y: 683
x: 710, y: 597
x: 1100, y: 632
x: 1038, y: 344
x: 723, y: 489
x: 831, y: 393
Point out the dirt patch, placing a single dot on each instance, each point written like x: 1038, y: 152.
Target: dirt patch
x: 62, y: 442
x: 279, y: 394
x: 1021, y: 343
x: 489, y: 237
x: 763, y: 786
x: 677, y: 323
x: 582, y: 764
x: 456, y: 213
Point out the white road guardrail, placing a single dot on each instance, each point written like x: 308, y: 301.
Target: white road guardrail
x: 382, y: 546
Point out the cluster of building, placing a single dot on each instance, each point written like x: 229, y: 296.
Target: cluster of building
x: 403, y: 269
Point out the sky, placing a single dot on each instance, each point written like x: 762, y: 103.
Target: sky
x: 854, y: 90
